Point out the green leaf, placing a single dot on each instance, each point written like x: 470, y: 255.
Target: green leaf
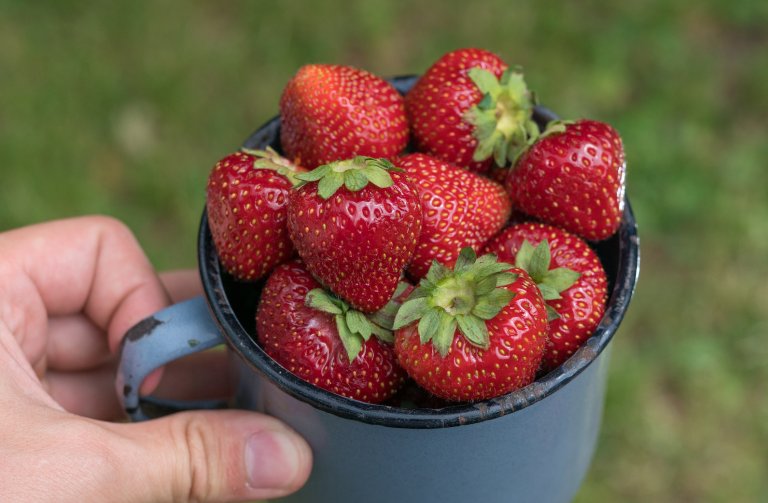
x: 551, y: 313
x: 352, y: 343
x: 500, y: 297
x: 329, y: 184
x: 540, y: 260
x: 505, y: 278
x: 485, y: 81
x: 383, y: 334
x: 446, y: 330
x: 548, y: 293
x: 500, y: 150
x: 561, y: 278
x: 358, y: 324
x: 474, y: 330
x: 429, y: 324
x: 524, y: 254
x: 410, y: 311
x: 320, y: 299
x: 437, y: 271
x: 485, y: 285
x: 316, y: 174
x: 467, y: 257
x: 354, y: 180
x: 487, y: 265
x: 378, y: 176
x: 486, y: 309
x: 486, y: 103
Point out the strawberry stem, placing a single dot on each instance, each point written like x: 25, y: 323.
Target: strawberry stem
x: 463, y: 298
x: 354, y: 327
x: 503, y: 119
x: 354, y: 174
x: 551, y: 282
x: 270, y: 159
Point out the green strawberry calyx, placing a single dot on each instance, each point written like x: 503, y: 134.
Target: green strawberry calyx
x: 503, y: 119
x: 464, y: 298
x: 270, y: 159
x: 354, y: 174
x: 551, y: 282
x: 354, y: 327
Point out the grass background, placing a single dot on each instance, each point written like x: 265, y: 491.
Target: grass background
x: 121, y: 108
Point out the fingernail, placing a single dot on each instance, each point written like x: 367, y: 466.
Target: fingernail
x: 271, y: 460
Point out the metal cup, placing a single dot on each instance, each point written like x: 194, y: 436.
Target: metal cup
x: 532, y: 445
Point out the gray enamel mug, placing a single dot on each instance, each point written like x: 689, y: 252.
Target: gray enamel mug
x: 532, y: 445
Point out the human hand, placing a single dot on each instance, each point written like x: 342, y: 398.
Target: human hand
x: 69, y: 290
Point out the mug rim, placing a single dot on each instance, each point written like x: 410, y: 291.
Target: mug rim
x: 628, y: 267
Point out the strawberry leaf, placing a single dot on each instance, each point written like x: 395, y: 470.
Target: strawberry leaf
x: 410, y: 311
x: 329, y: 184
x: 354, y: 180
x: 446, y: 331
x: 502, y: 119
x: 561, y: 278
x: 429, y: 324
x: 485, y: 80
x: 320, y: 300
x: 489, y: 306
x: 539, y: 262
x: 467, y: 257
x: 474, y: 330
x: 548, y: 293
x: 352, y: 343
x: 358, y: 324
x: 378, y: 176
x: 551, y: 313
x: 383, y: 334
x: 316, y: 174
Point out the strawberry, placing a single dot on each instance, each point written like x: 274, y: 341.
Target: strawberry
x: 570, y: 276
x: 472, y: 333
x: 459, y: 209
x: 573, y: 177
x: 332, y: 112
x: 247, y: 195
x: 317, y: 337
x: 469, y: 109
x: 355, y: 223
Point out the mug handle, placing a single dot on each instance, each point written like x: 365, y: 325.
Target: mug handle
x: 172, y: 333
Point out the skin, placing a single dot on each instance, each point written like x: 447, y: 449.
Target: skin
x: 69, y: 290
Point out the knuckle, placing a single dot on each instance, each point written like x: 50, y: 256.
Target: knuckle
x: 197, y: 461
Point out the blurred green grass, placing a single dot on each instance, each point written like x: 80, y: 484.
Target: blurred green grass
x: 121, y: 108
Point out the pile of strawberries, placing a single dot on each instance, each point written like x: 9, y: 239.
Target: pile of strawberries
x: 385, y: 230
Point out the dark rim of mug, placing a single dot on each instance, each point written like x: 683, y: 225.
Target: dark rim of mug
x: 627, y: 270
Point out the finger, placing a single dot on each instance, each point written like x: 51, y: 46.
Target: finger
x: 91, y: 393
x: 75, y: 343
x: 98, y: 268
x: 210, y: 456
x: 182, y: 284
x: 88, y: 393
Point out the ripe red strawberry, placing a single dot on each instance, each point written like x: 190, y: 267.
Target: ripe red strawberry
x: 247, y: 195
x: 459, y: 209
x: 481, y: 331
x: 331, y: 112
x: 573, y: 177
x: 469, y: 109
x: 320, y: 339
x: 570, y: 275
x: 355, y: 223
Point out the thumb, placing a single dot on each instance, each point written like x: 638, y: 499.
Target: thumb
x: 212, y: 456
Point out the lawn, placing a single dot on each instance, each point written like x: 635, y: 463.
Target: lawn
x: 121, y: 108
